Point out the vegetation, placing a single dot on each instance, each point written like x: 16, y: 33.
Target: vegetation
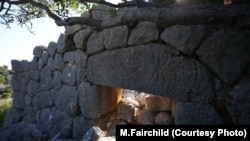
x: 5, y: 92
x: 63, y: 12
x: 4, y: 106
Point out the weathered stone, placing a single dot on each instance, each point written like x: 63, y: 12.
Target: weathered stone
x: 21, y: 132
x: 77, y: 58
x: 58, y: 62
x: 70, y: 30
x: 164, y: 118
x: 82, y: 124
x: 43, y: 122
x: 95, y: 43
x: 57, y: 79
x: 80, y: 38
x: 12, y: 115
x: 69, y: 75
x: 101, y: 11
x: 55, y: 122
x: 27, y: 100
x: 40, y: 64
x: 144, y: 32
x: 64, y: 44
x: 132, y: 101
x: 45, y: 57
x: 145, y: 117
x: 72, y: 75
x: 52, y: 48
x: 34, y: 63
x: 93, y: 134
x: 38, y: 51
x: 155, y: 103
x: 126, y: 112
x: 42, y: 100
x: 32, y: 88
x: 80, y: 75
x: 196, y: 113
x: 184, y: 38
x: 19, y: 81
x: 28, y: 110
x: 174, y: 76
x: 18, y: 100
x: 50, y: 63
x: 92, y: 96
x: 226, y: 53
x: 67, y: 100
x: 115, y: 37
x: 239, y: 102
x: 46, y: 82
x: 20, y: 66
x: 112, y: 126
x: 35, y: 75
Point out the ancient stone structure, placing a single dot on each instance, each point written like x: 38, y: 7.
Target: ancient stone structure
x: 195, y: 74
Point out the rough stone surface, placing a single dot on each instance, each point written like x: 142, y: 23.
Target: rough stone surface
x: 76, y: 83
x: 239, y: 105
x: 52, y: 48
x: 178, y: 77
x: 164, y: 118
x: 46, y: 81
x: 93, y: 134
x: 95, y: 43
x: 13, y: 115
x: 184, y: 38
x: 51, y: 125
x: 226, y: 53
x: 144, y: 117
x: 70, y: 30
x: 21, y: 132
x: 38, y: 51
x: 58, y: 62
x: 144, y: 32
x: 64, y: 44
x: 125, y: 112
x: 57, y: 79
x: 81, y: 37
x: 196, y: 113
x: 115, y: 37
x: 69, y: 75
x: 18, y: 100
x: 91, y: 96
x: 42, y: 100
x: 32, y: 88
x: 157, y: 103
x: 77, y: 58
x: 67, y: 100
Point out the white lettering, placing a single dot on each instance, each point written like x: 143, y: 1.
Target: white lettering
x: 123, y: 132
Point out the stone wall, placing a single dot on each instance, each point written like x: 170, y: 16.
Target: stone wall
x: 76, y: 83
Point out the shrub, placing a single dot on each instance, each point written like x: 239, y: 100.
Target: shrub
x: 4, y: 106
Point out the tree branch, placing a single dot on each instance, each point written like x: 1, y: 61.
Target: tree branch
x: 39, y: 5
x: 182, y: 15
x: 78, y: 20
x: 138, y: 3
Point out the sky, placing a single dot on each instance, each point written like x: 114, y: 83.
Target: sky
x: 17, y: 43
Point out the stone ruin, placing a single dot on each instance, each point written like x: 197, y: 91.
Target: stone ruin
x: 143, y: 73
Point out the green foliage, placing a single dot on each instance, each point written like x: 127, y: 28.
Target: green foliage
x: 5, y: 87
x: 112, y: 12
x: 2, y: 79
x: 4, y: 106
